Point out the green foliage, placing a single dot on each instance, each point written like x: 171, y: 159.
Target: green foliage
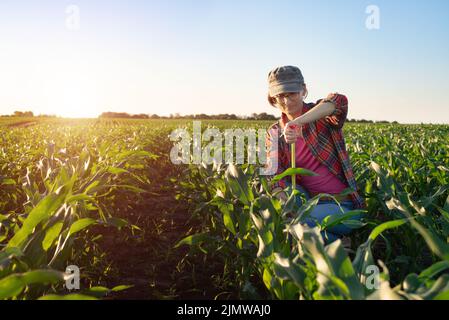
x: 57, y: 183
x: 60, y: 179
x: 402, y: 172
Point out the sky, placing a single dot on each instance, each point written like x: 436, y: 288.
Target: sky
x: 81, y: 58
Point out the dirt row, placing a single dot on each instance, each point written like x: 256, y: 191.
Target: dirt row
x: 148, y: 260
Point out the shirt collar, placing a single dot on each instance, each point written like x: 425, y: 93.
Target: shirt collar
x: 284, y: 119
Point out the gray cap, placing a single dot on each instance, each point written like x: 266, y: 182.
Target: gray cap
x: 285, y: 79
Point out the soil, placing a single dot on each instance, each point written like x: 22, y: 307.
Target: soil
x: 148, y: 260
x: 23, y: 124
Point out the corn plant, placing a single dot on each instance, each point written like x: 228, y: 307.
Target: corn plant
x: 258, y: 239
x: 54, y: 195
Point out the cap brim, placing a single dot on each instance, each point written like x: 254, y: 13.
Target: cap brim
x: 284, y: 88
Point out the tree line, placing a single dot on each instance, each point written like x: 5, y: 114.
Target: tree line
x: 27, y: 114
x: 225, y: 116
x: 201, y: 116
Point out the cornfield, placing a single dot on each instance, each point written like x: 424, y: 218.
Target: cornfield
x: 69, y: 187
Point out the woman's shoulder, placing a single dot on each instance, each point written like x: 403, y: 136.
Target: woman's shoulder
x: 274, y: 126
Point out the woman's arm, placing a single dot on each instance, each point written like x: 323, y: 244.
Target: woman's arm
x: 334, y: 109
x: 321, y: 110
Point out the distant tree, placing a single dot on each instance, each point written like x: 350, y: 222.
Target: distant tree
x: 202, y: 116
x: 139, y: 116
x: 115, y: 115
x: 365, y: 121
x: 23, y: 114
x: 265, y: 116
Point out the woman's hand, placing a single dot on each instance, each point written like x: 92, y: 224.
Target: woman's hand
x: 292, y: 132
x: 333, y: 120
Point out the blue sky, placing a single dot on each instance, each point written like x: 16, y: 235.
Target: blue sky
x: 214, y: 56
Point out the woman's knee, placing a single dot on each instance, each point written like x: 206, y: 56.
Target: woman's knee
x: 323, y: 210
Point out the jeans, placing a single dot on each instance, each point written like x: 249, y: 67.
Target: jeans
x: 323, y: 209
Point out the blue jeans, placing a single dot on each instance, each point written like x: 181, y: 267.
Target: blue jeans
x: 323, y: 209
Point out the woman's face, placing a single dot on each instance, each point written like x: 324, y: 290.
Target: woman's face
x: 289, y: 102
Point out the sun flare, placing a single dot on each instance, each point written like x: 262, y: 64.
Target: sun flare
x: 74, y: 93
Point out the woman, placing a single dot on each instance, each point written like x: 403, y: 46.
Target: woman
x: 316, y: 130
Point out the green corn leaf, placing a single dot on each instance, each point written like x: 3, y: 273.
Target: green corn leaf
x: 333, y: 220
x: 386, y: 226
x: 12, y: 285
x: 434, y: 269
x: 291, y: 171
x: 80, y: 225
x: 114, y: 170
x: 51, y: 234
x: 195, y: 239
x: 41, y: 212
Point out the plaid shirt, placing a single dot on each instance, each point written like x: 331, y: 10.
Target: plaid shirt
x: 325, y: 140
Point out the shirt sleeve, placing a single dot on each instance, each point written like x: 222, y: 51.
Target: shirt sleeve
x: 274, y: 164
x: 338, y: 117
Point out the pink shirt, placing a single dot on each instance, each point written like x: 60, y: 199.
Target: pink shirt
x: 326, y: 182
